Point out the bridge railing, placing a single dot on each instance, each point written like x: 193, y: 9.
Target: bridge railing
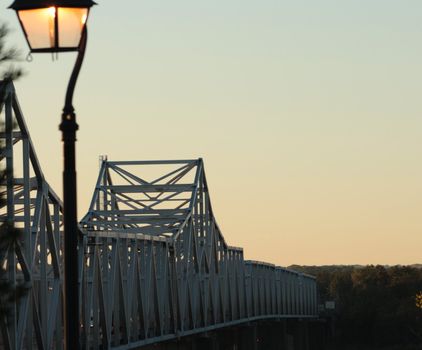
x: 134, y: 292
x: 274, y: 290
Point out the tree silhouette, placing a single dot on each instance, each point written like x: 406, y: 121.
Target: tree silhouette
x: 9, y: 234
x: 377, y: 307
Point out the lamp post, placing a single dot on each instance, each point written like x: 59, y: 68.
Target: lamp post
x: 59, y: 26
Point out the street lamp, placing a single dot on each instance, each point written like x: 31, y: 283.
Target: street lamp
x: 60, y: 26
x: 53, y: 25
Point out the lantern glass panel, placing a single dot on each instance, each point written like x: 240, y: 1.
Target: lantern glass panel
x: 39, y: 27
x: 71, y: 24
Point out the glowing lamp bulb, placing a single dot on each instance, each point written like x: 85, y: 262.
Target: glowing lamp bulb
x: 52, y: 11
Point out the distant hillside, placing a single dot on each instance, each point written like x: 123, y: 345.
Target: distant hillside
x: 416, y: 266
x: 313, y: 269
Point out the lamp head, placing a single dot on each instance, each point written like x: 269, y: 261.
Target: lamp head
x: 53, y: 25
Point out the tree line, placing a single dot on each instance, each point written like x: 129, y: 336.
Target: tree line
x: 376, y: 306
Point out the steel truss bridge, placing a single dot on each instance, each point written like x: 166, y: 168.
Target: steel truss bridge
x: 153, y: 263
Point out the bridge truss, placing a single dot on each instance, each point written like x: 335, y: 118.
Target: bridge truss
x: 153, y: 262
x: 34, y: 260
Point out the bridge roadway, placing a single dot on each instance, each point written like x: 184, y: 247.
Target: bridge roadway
x: 154, y: 265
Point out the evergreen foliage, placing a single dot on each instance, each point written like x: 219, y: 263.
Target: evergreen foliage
x: 9, y: 234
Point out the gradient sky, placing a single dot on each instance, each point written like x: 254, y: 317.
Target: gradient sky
x: 307, y: 115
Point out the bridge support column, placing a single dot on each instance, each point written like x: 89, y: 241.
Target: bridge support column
x: 290, y: 334
x: 272, y: 336
x: 208, y: 342
x: 301, y: 335
x: 228, y: 339
x: 317, y: 335
x: 306, y: 334
x: 186, y: 343
x: 248, y: 338
x: 287, y: 342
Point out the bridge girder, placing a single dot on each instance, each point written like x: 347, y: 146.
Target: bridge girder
x: 153, y: 263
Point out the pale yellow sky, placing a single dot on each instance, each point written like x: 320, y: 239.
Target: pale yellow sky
x: 307, y: 115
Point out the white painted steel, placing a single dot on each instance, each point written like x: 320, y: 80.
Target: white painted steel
x: 35, y: 322
x: 154, y: 264
x: 179, y: 274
